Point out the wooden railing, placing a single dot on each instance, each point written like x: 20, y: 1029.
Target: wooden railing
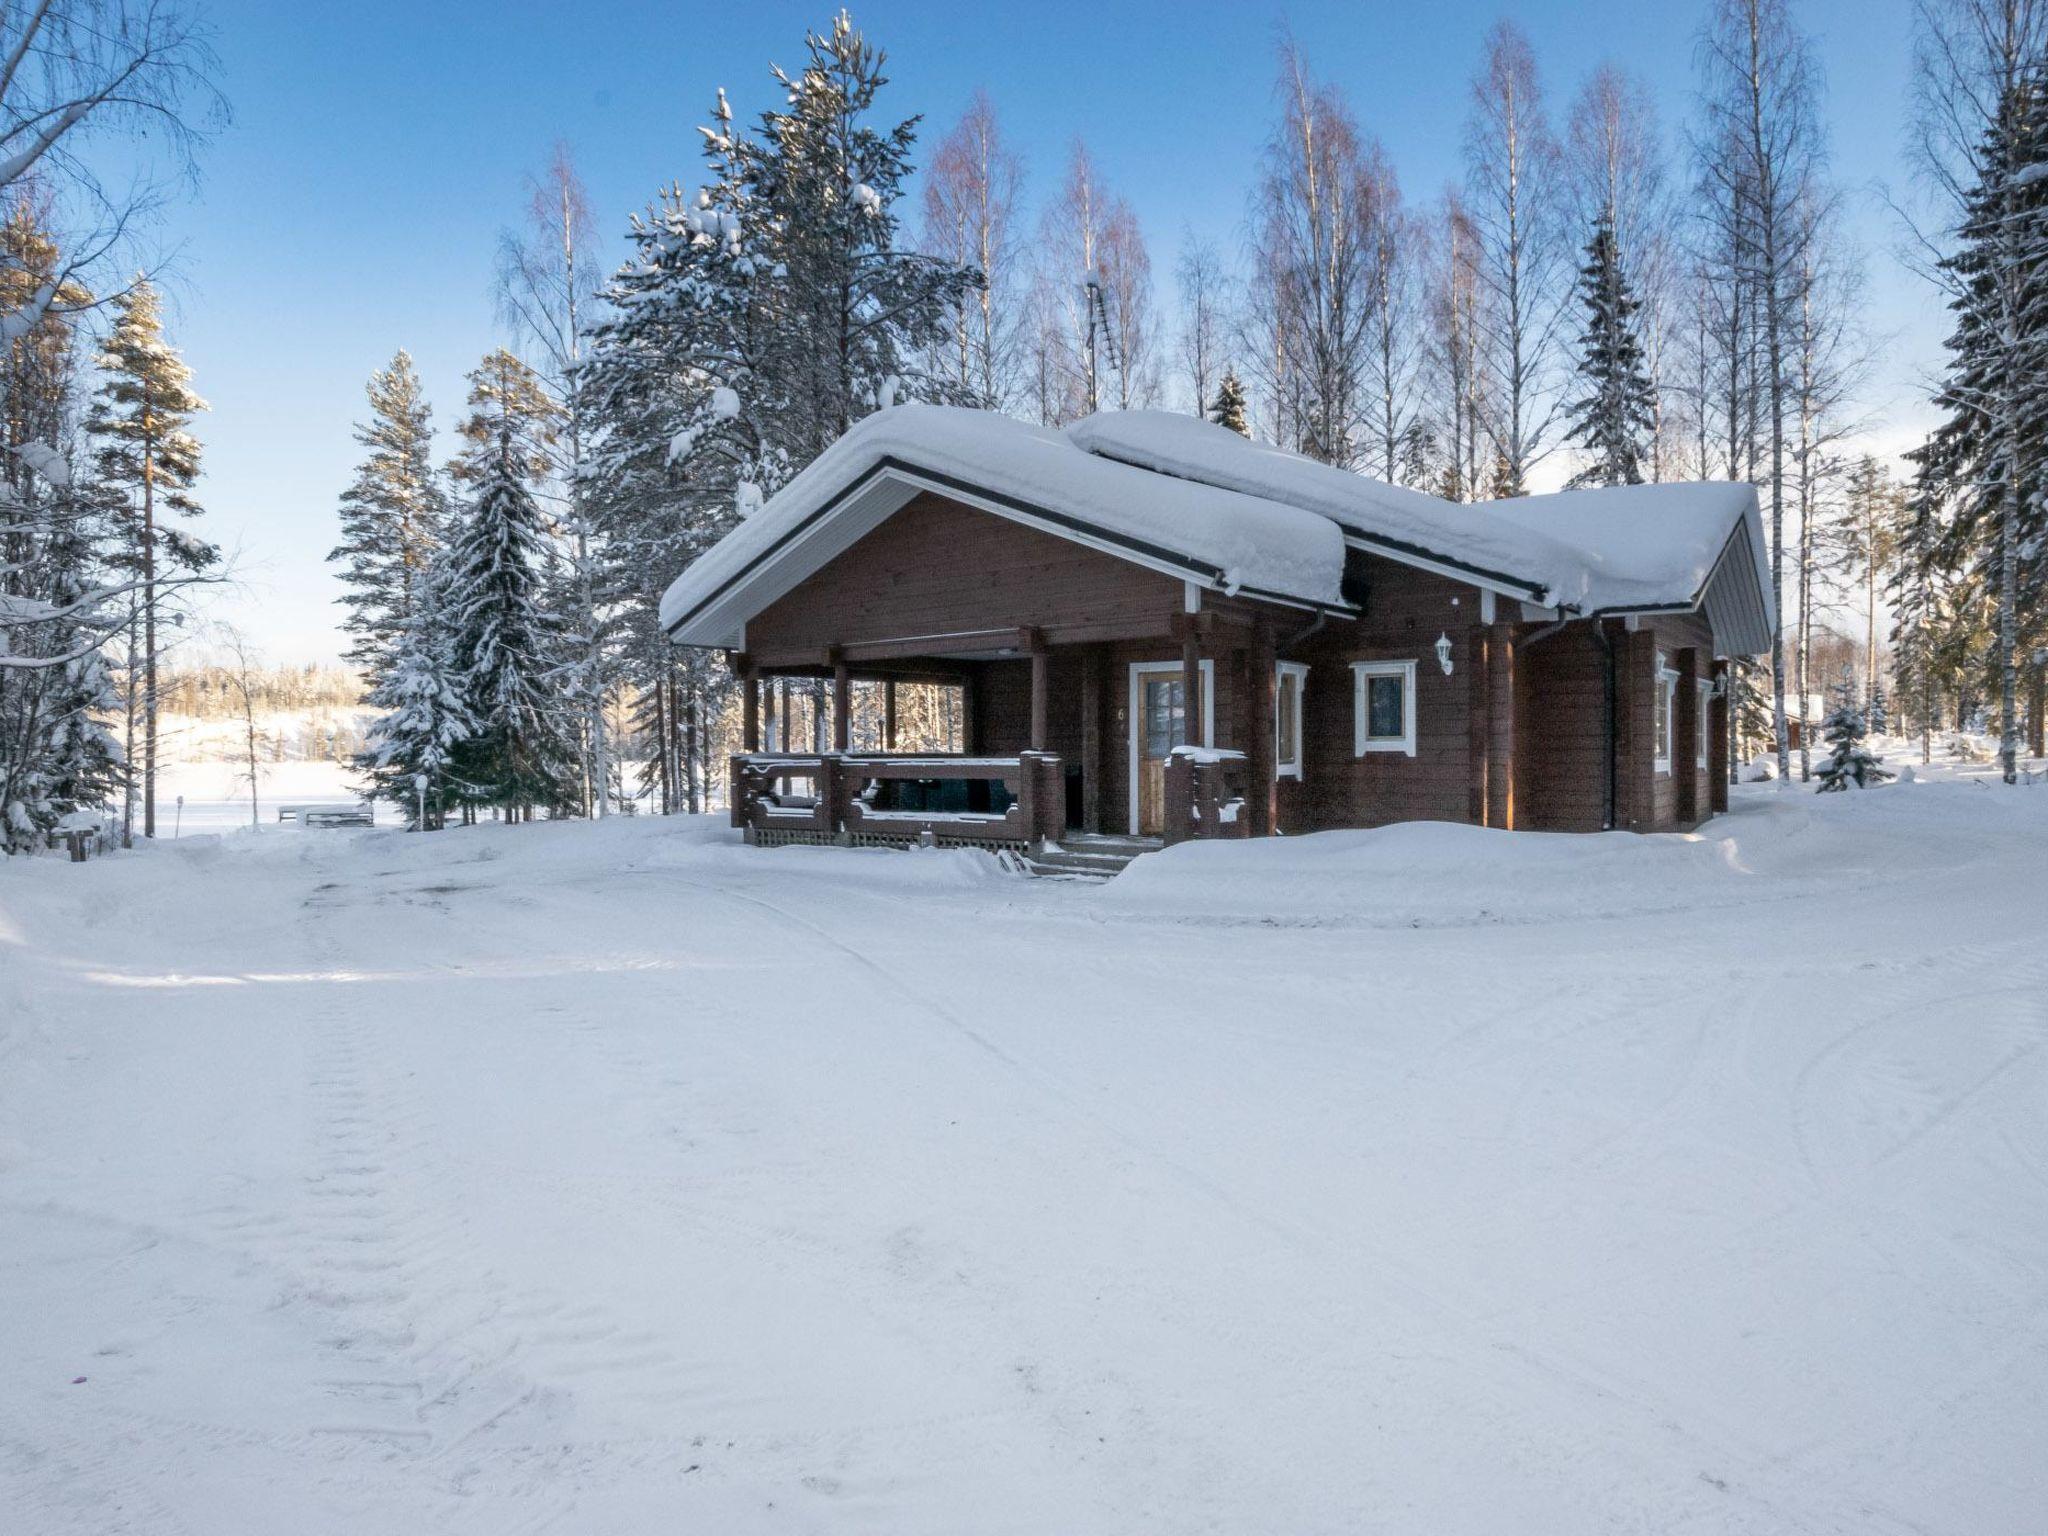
x: 1205, y: 794
x: 886, y: 798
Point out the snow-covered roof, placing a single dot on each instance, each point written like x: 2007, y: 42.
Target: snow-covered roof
x: 1194, y: 499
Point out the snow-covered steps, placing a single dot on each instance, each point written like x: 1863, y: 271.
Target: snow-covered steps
x: 1089, y: 856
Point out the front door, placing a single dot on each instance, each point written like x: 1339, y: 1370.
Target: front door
x: 1159, y: 723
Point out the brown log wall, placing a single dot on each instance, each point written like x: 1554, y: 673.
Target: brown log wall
x: 937, y: 567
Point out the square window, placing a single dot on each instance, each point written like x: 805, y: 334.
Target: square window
x: 1383, y: 707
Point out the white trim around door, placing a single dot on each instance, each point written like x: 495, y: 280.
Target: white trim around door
x: 1134, y: 712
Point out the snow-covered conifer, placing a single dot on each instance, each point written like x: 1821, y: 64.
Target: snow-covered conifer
x: 757, y: 319
x: 1849, y: 763
x: 1614, y: 415
x: 1984, y: 461
x: 393, y: 518
x: 1228, y: 409
x: 426, y: 715
x: 502, y: 646
x: 507, y: 402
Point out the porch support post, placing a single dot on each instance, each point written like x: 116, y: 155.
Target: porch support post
x: 842, y: 701
x: 1191, y: 682
x: 750, y: 708
x: 889, y: 715
x: 1091, y: 738
x: 1500, y: 750
x: 1479, y: 724
x: 1717, y: 741
x: 1259, y: 748
x: 769, y: 732
x: 1685, y: 773
x: 1040, y: 662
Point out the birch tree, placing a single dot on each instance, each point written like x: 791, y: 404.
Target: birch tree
x: 972, y: 189
x: 1310, y: 264
x: 1204, y: 289
x: 1524, y: 251
x: 548, y: 282
x: 1393, y: 343
x: 1759, y: 149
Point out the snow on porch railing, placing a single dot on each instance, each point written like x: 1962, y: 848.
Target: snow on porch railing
x: 848, y: 797
x: 1205, y: 794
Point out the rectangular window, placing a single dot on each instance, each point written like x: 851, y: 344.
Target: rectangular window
x: 1289, y: 678
x: 1383, y: 707
x: 1706, y: 703
x: 1664, y: 724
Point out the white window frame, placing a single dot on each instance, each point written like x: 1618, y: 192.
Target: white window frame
x: 1298, y: 670
x: 1361, y: 671
x: 1667, y: 748
x: 1705, y: 689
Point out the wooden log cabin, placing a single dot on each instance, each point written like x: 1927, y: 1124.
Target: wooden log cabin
x: 1155, y: 629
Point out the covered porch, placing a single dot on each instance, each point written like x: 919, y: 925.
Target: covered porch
x: 1147, y: 735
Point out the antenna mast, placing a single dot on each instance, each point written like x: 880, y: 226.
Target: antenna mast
x: 1101, y: 338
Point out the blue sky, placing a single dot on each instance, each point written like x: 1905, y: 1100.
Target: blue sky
x: 377, y: 150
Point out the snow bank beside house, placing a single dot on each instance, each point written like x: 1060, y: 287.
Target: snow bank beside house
x: 1428, y: 874
x: 1775, y: 846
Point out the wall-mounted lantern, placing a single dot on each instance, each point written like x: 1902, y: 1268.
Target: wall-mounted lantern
x: 1443, y: 653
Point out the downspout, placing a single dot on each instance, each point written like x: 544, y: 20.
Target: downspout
x: 1308, y: 632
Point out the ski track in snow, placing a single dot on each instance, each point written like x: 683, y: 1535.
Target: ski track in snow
x: 613, y: 1179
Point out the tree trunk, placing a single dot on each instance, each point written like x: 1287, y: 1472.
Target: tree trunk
x: 149, y: 701
x: 661, y: 742
x: 128, y: 737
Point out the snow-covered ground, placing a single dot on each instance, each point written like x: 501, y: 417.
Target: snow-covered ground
x: 618, y: 1179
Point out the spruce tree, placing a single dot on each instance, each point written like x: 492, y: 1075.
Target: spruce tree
x: 393, y: 519
x: 1985, y: 462
x: 1849, y: 761
x: 426, y: 719
x: 854, y: 314
x: 508, y: 402
x: 1228, y: 409
x: 1911, y: 593
x: 503, y: 650
x: 757, y: 319
x: 1615, y: 412
x: 140, y: 420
